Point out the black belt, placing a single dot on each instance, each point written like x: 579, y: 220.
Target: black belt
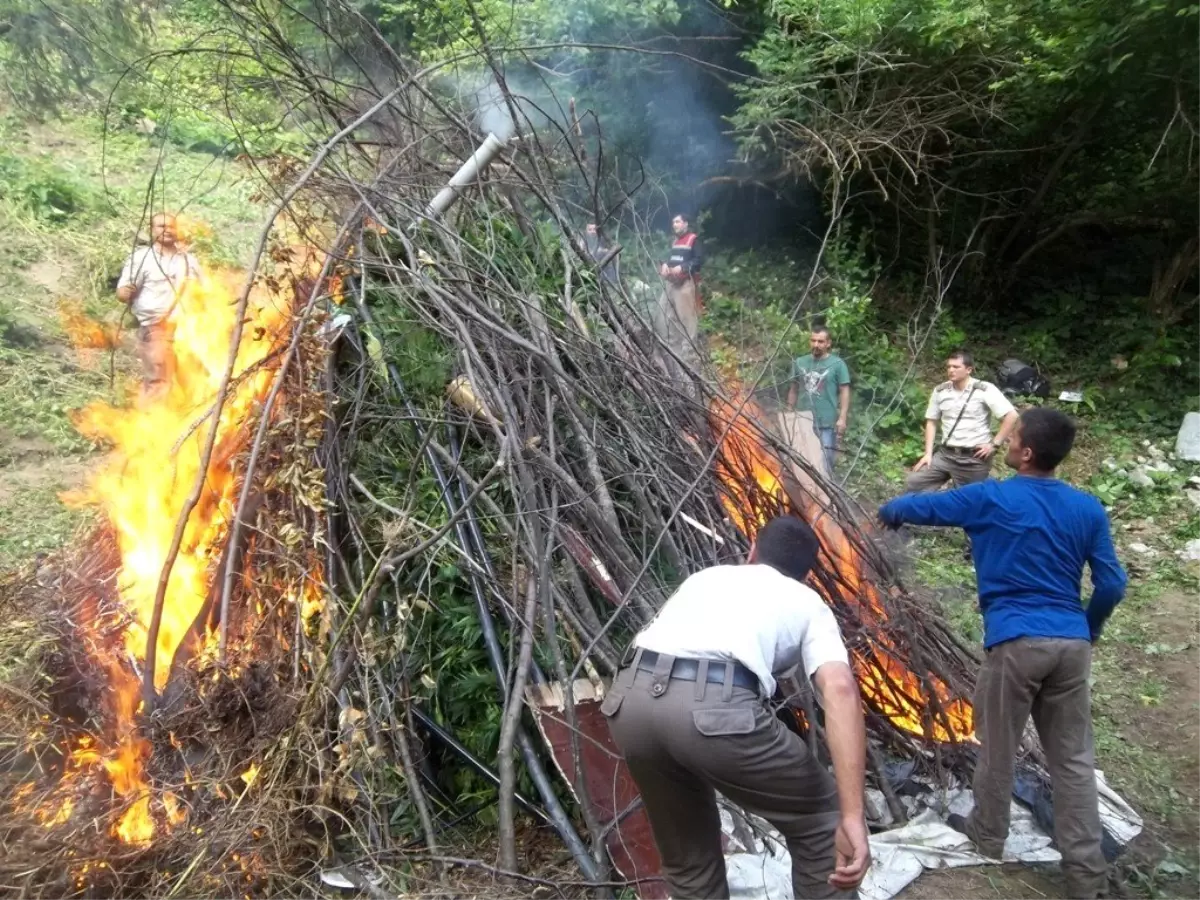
x: 959, y: 451
x: 689, y: 669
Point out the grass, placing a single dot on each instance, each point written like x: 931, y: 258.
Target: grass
x: 70, y: 204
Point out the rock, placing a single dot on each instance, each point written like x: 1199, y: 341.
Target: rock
x: 1190, y: 551
x: 1193, y: 495
x: 1156, y: 452
x: 1109, y: 465
x: 1139, y: 477
x: 1187, y: 443
x: 1144, y: 549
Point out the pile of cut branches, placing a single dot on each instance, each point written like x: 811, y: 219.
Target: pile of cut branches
x: 480, y: 472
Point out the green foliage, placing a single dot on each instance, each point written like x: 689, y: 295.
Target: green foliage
x: 1034, y: 121
x: 45, y: 189
x: 50, y: 54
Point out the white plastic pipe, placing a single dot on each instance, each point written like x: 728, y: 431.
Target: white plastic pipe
x: 470, y: 170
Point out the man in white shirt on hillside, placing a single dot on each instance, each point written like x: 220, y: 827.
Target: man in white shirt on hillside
x: 152, y: 280
x: 964, y: 406
x: 690, y: 717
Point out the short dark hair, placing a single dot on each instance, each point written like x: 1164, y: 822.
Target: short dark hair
x: 821, y: 329
x: 788, y: 545
x: 682, y: 215
x: 1049, y: 433
x: 967, y: 358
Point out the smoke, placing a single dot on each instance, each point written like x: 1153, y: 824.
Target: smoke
x: 493, y: 112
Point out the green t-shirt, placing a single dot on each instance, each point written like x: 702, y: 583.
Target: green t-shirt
x: 819, y: 380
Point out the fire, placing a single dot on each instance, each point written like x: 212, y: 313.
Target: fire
x: 895, y: 691
x: 156, y: 454
x: 84, y: 332
x: 141, y: 490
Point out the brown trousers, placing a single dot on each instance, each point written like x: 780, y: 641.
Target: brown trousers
x: 156, y: 349
x: 685, y: 740
x: 948, y: 467
x: 1047, y: 677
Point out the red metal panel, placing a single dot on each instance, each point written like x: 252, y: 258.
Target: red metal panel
x: 610, y: 787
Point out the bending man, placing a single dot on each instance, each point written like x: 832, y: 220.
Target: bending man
x: 1032, y: 535
x: 690, y: 718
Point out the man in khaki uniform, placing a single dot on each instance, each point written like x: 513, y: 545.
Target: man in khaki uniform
x: 689, y: 716
x: 152, y: 280
x: 964, y: 406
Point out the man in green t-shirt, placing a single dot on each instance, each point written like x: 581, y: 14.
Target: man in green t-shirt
x: 821, y: 382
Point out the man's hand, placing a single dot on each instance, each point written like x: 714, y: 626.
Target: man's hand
x: 126, y: 293
x: 677, y: 271
x: 840, y: 428
x: 923, y: 462
x: 852, y: 854
x: 985, y: 451
x: 664, y: 270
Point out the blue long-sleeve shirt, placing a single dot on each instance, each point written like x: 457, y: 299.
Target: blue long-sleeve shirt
x: 1030, y: 538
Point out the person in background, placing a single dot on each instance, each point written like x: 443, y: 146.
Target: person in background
x: 596, y: 246
x: 152, y: 281
x: 963, y: 405
x: 680, y: 272
x: 825, y: 380
x: 1033, y: 535
x: 689, y: 715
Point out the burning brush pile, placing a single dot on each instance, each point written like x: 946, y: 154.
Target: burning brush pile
x: 362, y: 575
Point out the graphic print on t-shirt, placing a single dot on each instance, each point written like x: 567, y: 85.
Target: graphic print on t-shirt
x: 814, y: 381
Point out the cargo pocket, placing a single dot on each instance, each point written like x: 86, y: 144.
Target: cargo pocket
x: 611, y: 703
x: 718, y: 722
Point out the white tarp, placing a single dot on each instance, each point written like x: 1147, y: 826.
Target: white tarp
x: 764, y: 872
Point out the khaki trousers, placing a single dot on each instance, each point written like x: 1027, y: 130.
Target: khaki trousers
x: 1047, y: 677
x: 948, y: 467
x: 156, y: 349
x: 678, y: 319
x: 683, y: 741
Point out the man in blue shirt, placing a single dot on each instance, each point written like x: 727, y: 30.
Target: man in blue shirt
x: 1032, y: 535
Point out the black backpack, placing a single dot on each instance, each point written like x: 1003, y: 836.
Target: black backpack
x: 1018, y: 379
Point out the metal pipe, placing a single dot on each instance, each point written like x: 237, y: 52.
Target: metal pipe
x: 467, y: 173
x: 477, y: 764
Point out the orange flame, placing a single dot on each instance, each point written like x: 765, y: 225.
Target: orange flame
x: 142, y: 488
x: 895, y: 691
x: 84, y: 332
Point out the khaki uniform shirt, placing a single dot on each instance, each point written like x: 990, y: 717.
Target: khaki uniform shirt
x: 974, y: 428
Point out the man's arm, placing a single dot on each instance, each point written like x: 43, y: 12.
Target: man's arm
x: 130, y: 282
x: 931, y: 426
x: 843, y: 399
x: 794, y: 388
x: 961, y: 507
x: 1007, y: 425
x: 847, y: 741
x: 1108, y: 578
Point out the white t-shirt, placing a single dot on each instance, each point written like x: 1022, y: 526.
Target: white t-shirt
x: 974, y: 429
x: 751, y: 614
x: 159, y: 277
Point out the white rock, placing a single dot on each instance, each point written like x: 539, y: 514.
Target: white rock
x: 1192, y: 495
x: 1187, y: 442
x: 1156, y: 452
x: 1139, y: 477
x: 1145, y: 550
x: 1191, y: 551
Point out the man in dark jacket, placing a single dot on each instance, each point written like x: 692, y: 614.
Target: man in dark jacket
x: 680, y: 272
